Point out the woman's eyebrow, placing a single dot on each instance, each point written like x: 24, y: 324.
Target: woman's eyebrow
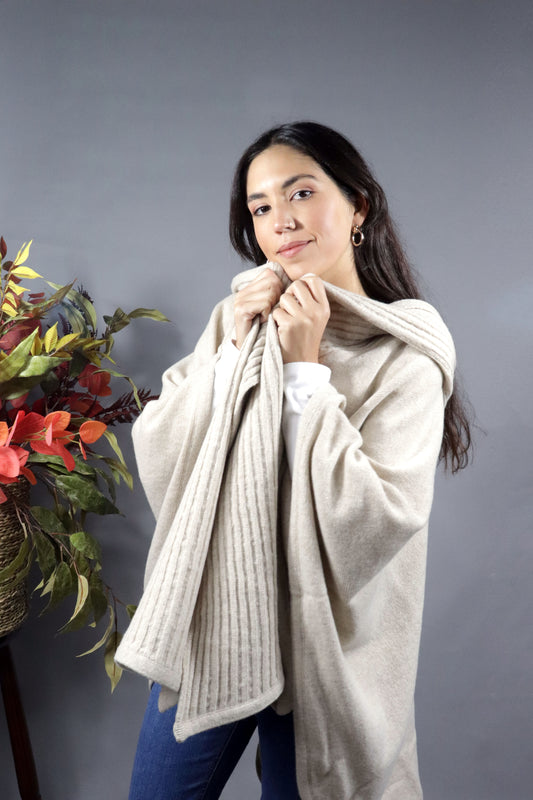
x: 284, y: 185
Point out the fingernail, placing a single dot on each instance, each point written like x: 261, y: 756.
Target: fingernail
x: 309, y: 275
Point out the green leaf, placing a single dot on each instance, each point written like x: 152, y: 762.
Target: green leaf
x: 108, y: 482
x: 87, y: 545
x: 119, y: 471
x: 50, y: 383
x: 48, y: 521
x: 74, y: 302
x: 98, y: 597
x: 76, y: 319
x: 118, y: 321
x: 82, y: 564
x: 86, y: 307
x: 17, y: 387
x: 54, y: 299
x: 111, y: 667
x: 104, y: 638
x: 81, y: 599
x: 57, y: 464
x: 46, y: 554
x: 112, y: 439
x: 148, y: 313
x: 83, y: 494
x: 77, y: 364
x: 10, y: 367
x: 28, y: 372
x: 68, y: 520
x: 40, y: 365
x: 62, y: 585
x: 49, y: 585
x: 79, y: 621
x: 131, y: 609
x: 19, y: 563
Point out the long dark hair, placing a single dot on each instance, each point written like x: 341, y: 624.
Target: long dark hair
x: 381, y: 263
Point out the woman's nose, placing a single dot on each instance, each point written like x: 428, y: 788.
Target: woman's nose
x: 283, y: 221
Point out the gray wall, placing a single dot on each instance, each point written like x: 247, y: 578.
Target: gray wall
x: 121, y: 121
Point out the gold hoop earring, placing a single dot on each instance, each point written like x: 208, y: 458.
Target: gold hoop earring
x: 357, y: 232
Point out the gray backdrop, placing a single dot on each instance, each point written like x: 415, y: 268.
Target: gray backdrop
x: 121, y: 121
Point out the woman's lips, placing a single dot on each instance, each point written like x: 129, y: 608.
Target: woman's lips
x: 291, y: 249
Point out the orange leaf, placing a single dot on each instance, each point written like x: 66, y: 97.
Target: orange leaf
x: 58, y: 419
x: 91, y: 431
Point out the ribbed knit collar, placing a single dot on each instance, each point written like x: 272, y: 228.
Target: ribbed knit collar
x: 356, y: 318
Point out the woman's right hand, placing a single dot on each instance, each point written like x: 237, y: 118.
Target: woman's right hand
x: 258, y: 297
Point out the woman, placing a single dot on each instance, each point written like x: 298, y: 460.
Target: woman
x: 290, y: 464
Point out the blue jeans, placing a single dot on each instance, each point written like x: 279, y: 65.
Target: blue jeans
x: 199, y: 768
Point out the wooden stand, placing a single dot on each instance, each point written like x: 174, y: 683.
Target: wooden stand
x: 16, y: 723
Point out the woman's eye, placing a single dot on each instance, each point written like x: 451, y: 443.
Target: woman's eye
x: 258, y: 212
x: 302, y: 194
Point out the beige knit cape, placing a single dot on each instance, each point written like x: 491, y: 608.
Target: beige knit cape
x: 309, y: 592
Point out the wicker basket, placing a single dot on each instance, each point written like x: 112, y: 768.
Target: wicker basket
x: 14, y: 602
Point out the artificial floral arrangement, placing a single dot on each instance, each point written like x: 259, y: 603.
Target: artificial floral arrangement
x: 55, y: 375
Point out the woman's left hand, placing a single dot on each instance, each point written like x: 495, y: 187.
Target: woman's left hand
x: 301, y: 317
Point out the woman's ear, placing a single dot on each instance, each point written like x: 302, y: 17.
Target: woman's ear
x: 361, y: 210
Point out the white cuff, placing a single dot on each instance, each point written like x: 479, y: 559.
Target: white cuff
x: 224, y: 367
x: 300, y: 380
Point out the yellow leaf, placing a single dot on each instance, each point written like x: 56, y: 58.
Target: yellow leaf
x: 16, y: 288
x: 66, y: 340
x: 22, y: 254
x: 8, y: 309
x: 25, y: 272
x: 37, y: 346
x: 50, y: 338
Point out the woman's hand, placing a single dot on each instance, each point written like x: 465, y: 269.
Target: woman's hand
x: 301, y: 318
x: 258, y: 297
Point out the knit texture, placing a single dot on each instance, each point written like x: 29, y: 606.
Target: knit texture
x: 353, y: 527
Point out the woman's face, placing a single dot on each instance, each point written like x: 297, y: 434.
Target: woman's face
x: 301, y: 218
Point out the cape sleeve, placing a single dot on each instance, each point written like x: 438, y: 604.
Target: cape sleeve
x: 367, y: 482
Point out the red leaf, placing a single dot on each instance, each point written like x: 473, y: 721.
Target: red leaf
x: 55, y: 449
x: 95, y: 380
x: 27, y: 426
x: 9, y: 464
x: 16, y: 333
x: 85, y: 404
x: 3, y: 247
x: 29, y: 475
x: 18, y: 402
